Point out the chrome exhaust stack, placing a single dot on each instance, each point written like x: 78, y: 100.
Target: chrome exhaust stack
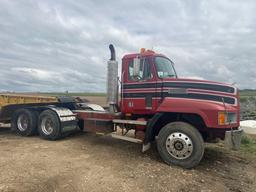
x: 112, y: 81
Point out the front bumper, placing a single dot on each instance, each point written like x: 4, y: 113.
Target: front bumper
x: 233, y: 139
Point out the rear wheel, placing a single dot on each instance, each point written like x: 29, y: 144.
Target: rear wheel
x: 49, y: 126
x: 181, y: 144
x: 24, y: 122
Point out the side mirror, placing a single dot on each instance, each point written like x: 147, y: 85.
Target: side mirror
x: 136, y: 67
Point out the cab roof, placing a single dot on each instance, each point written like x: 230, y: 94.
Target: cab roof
x: 146, y: 53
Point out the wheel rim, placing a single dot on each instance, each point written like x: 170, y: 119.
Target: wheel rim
x: 179, y: 145
x: 47, y: 125
x: 22, y: 122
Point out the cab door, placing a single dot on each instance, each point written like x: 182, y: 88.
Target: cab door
x: 141, y: 87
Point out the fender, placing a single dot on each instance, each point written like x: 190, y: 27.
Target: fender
x: 67, y: 118
x: 207, y: 110
x: 64, y: 114
x: 181, y: 105
x: 149, y: 136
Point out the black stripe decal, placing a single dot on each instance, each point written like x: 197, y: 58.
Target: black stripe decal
x: 203, y: 86
x: 228, y: 100
x: 138, y: 86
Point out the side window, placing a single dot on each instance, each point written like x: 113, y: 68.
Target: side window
x: 131, y: 70
x: 147, y: 72
x: 144, y: 73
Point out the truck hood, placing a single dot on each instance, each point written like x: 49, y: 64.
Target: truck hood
x: 200, y: 89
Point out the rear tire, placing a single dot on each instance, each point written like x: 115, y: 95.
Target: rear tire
x: 24, y: 122
x: 49, y: 126
x: 181, y: 144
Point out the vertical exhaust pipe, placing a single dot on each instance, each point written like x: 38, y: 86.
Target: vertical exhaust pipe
x: 112, y: 52
x: 112, y: 81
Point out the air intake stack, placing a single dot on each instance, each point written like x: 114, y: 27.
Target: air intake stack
x: 112, y: 81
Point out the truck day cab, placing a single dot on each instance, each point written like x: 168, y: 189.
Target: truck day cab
x: 153, y: 105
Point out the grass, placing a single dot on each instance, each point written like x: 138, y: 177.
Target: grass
x: 247, y: 140
x: 248, y: 146
x: 243, y: 99
x: 247, y: 93
x: 246, y: 153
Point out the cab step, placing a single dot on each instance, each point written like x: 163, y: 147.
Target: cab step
x: 126, y: 138
x: 131, y: 122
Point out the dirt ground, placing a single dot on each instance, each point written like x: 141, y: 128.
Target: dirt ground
x: 86, y: 162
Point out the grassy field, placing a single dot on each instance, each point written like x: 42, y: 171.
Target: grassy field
x: 248, y: 145
x: 247, y: 93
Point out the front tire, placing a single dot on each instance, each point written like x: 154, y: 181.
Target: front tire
x: 49, y: 126
x: 181, y: 144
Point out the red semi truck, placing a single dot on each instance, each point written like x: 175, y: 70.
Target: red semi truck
x: 153, y: 105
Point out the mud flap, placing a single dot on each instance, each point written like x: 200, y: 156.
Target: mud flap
x: 145, y: 147
x: 233, y: 139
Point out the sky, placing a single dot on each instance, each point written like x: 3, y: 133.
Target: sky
x: 62, y: 45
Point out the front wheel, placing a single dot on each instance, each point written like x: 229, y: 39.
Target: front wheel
x: 181, y: 144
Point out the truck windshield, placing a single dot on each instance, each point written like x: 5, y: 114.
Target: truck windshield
x: 164, y: 67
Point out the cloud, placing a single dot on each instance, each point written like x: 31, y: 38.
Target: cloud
x: 63, y: 45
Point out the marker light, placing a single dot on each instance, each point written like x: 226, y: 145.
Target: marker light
x: 225, y: 118
x: 222, y: 118
x: 142, y: 50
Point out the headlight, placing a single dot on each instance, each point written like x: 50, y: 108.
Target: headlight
x: 225, y: 118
